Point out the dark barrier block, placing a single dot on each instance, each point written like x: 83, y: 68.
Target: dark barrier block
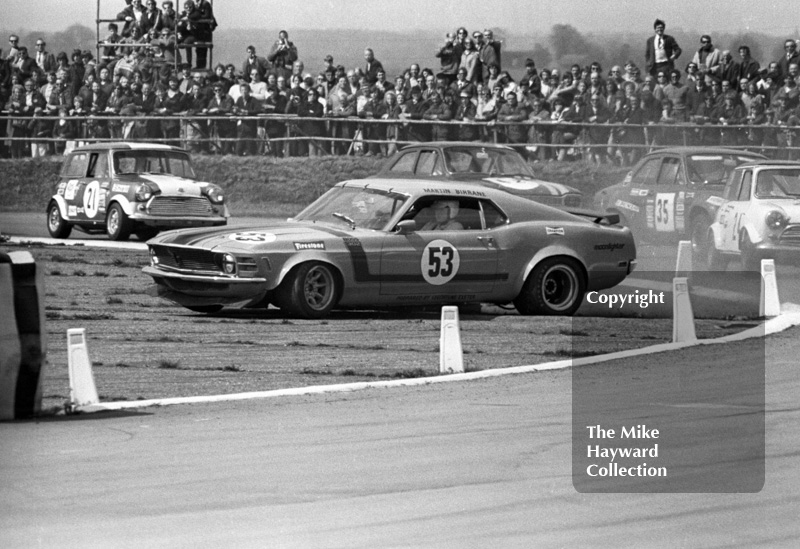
x: 29, y: 312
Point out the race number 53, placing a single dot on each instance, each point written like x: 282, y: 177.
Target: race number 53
x: 440, y: 262
x: 665, y: 212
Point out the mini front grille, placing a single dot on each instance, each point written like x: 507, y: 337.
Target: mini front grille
x: 188, y: 259
x: 791, y: 235
x: 180, y: 206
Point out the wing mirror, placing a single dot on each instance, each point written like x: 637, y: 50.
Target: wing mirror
x: 406, y: 226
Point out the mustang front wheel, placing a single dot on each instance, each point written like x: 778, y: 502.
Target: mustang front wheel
x: 555, y: 287
x: 118, y: 225
x: 56, y: 226
x: 309, y: 291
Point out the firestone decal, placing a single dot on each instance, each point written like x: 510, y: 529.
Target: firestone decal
x: 439, y: 262
x: 554, y: 230
x: 253, y: 237
x: 611, y: 246
x: 309, y: 246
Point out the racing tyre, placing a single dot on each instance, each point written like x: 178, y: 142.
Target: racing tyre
x: 556, y: 286
x: 310, y: 291
x: 749, y: 255
x: 145, y: 233
x: 208, y: 309
x: 118, y: 225
x: 714, y: 260
x: 56, y: 226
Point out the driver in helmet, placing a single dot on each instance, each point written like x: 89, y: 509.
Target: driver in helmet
x: 445, y: 212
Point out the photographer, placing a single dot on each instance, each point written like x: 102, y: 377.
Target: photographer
x: 282, y: 55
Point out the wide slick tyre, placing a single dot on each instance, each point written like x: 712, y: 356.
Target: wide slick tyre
x: 118, y: 225
x: 208, y: 309
x: 556, y: 286
x: 310, y: 290
x: 56, y: 225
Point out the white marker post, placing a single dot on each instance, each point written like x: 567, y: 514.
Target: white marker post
x: 769, y: 305
x: 682, y: 315
x: 683, y: 265
x: 82, y: 391
x: 451, y: 357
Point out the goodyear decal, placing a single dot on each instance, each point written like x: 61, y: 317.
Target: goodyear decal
x: 319, y: 245
x: 611, y: 246
x: 554, y: 231
x: 626, y: 206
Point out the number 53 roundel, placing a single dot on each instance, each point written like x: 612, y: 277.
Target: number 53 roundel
x: 440, y: 262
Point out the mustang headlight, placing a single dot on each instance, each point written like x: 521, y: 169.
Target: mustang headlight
x: 153, y: 258
x: 775, y: 219
x: 228, y: 264
x: 215, y: 194
x: 143, y: 192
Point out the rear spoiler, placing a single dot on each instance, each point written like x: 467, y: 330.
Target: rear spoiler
x: 597, y: 217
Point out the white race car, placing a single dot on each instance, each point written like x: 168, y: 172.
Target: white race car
x: 760, y: 217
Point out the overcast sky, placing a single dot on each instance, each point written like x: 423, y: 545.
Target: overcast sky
x: 518, y: 16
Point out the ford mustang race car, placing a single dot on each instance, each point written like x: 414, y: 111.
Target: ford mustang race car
x: 124, y: 188
x: 492, y: 165
x: 388, y: 242
x: 760, y: 217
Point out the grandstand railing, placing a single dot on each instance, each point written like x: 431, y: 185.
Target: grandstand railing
x: 769, y: 139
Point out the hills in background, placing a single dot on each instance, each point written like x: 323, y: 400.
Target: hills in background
x: 562, y: 46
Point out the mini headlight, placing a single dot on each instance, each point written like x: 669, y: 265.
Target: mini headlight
x: 143, y: 192
x: 776, y: 219
x: 228, y: 264
x: 215, y: 194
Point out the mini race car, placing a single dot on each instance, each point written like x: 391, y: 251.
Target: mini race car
x: 488, y: 164
x: 380, y: 243
x: 760, y: 218
x: 131, y: 188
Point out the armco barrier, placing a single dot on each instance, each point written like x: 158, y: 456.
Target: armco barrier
x: 22, y: 361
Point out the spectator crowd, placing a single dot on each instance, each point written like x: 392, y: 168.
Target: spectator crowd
x: 145, y: 86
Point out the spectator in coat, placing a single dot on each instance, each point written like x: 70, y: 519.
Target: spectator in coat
x: 449, y: 55
x: 486, y: 54
x: 791, y: 56
x: 513, y: 111
x: 708, y: 56
x: 661, y: 50
x: 372, y: 66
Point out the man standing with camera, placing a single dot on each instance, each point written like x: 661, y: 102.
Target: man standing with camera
x: 282, y: 55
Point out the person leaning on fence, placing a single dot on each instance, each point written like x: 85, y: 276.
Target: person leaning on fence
x: 512, y: 111
x: 247, y: 107
x: 374, y: 109
x: 310, y: 107
x: 438, y: 110
x: 222, y: 129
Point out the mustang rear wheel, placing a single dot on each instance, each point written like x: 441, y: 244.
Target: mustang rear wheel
x: 310, y: 291
x: 556, y: 286
x: 56, y: 226
x: 118, y: 225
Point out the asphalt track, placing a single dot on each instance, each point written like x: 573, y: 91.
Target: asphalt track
x: 475, y: 464
x: 485, y: 463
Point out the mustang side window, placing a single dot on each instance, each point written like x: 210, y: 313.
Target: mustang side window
x: 492, y: 217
